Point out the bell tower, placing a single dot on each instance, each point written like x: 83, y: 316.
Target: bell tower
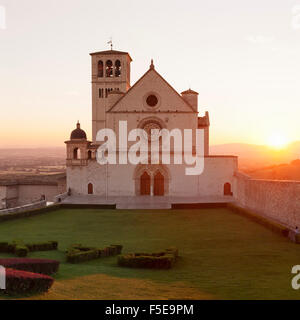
x: 110, y: 72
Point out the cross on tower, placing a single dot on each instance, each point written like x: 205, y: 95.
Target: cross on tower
x: 111, y: 43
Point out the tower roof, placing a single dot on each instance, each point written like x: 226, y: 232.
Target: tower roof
x: 190, y: 91
x: 78, y: 133
x: 110, y: 52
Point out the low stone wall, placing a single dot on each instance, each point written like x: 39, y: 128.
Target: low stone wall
x: 27, y: 207
x: 275, y: 199
x: 60, y: 197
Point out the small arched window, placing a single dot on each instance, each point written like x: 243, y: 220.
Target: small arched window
x: 227, y: 189
x: 100, y: 69
x: 117, y: 68
x: 90, y: 188
x: 109, y: 68
x: 89, y: 154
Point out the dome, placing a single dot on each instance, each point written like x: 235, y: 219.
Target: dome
x: 78, y: 133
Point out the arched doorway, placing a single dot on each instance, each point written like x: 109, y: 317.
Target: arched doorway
x: 90, y: 188
x: 227, y: 189
x: 159, y: 184
x: 145, y: 184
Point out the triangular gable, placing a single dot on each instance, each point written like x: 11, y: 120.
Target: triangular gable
x: 152, y: 82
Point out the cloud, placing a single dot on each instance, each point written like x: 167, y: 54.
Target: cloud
x: 259, y: 39
x: 295, y: 23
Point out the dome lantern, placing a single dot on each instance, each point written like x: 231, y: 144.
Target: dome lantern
x: 78, y: 133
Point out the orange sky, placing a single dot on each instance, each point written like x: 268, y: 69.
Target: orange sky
x: 241, y: 56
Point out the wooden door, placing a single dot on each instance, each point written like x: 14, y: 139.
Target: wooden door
x: 159, y: 184
x: 90, y: 188
x: 227, y: 189
x: 145, y: 184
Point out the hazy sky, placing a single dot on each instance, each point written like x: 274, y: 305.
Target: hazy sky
x: 241, y: 56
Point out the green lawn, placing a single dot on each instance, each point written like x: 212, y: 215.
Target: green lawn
x: 222, y: 255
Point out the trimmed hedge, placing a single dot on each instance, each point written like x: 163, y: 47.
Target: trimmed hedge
x: 42, y: 266
x: 29, y: 213
x: 77, y: 253
x: 268, y: 223
x: 207, y: 205
x: 42, y: 246
x: 21, y: 249
x: 18, y: 282
x: 159, y: 260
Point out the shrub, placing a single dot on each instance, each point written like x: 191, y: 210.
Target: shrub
x: 4, y: 247
x: 18, y: 282
x: 42, y: 266
x: 118, y: 248
x: 77, y: 253
x: 21, y: 251
x: 76, y: 257
x: 158, y: 260
x: 42, y: 246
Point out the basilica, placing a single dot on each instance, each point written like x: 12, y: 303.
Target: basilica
x: 151, y: 103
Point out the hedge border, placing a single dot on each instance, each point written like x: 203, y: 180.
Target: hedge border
x: 157, y: 260
x: 78, y: 253
x: 262, y: 220
x: 88, y: 206
x: 24, y: 282
x: 22, y: 249
x: 204, y: 205
x: 34, y: 265
x: 28, y: 213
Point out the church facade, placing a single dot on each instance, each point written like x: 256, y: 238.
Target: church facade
x: 151, y: 103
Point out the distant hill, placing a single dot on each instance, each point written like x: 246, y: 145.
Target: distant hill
x: 289, y: 171
x: 33, y: 153
x: 256, y: 160
x: 253, y: 157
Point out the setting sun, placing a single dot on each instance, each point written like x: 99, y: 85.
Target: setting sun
x: 277, y: 140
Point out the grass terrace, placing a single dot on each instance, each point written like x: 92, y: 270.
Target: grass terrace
x: 222, y: 255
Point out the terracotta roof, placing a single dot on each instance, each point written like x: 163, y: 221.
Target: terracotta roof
x: 78, y: 133
x: 190, y: 91
x: 108, y: 52
x: 151, y: 69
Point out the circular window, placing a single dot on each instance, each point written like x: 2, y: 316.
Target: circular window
x: 152, y: 100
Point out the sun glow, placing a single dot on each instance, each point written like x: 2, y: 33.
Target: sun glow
x: 277, y: 140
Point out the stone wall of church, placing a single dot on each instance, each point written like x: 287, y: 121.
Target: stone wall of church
x: 32, y: 193
x: 124, y: 180
x: 218, y: 170
x: 168, y: 121
x: 275, y: 199
x: 78, y: 178
x: 19, y: 195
